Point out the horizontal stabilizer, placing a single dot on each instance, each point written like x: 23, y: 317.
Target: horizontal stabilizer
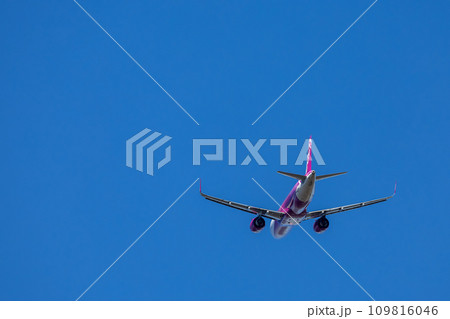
x: 319, y: 177
x: 296, y: 176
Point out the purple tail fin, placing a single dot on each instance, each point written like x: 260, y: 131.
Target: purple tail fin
x: 309, y: 157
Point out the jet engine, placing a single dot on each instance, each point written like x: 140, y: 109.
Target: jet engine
x: 321, y: 225
x: 257, y: 224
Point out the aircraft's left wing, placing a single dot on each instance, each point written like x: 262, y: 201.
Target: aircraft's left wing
x: 272, y: 214
x: 329, y: 211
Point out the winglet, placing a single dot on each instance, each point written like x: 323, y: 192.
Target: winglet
x: 395, y: 191
x: 200, y: 183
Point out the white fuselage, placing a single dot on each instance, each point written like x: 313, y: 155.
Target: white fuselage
x: 294, y: 206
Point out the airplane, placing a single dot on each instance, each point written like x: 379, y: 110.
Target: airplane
x: 293, y: 211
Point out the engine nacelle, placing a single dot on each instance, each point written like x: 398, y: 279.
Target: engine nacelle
x: 257, y: 224
x: 321, y: 225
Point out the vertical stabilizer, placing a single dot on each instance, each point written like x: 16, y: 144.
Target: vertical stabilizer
x: 309, y: 157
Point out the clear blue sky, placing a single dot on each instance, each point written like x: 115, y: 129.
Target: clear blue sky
x: 376, y: 105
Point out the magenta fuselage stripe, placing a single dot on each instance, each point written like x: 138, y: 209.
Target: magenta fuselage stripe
x: 292, y: 205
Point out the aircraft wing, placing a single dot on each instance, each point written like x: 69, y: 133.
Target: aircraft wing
x: 329, y: 211
x: 272, y: 214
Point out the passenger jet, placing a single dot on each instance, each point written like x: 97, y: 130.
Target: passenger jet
x: 293, y: 211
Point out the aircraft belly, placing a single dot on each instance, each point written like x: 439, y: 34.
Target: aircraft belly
x: 303, y: 196
x: 298, y: 205
x: 279, y: 230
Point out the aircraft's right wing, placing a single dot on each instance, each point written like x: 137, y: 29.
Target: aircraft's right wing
x: 329, y: 211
